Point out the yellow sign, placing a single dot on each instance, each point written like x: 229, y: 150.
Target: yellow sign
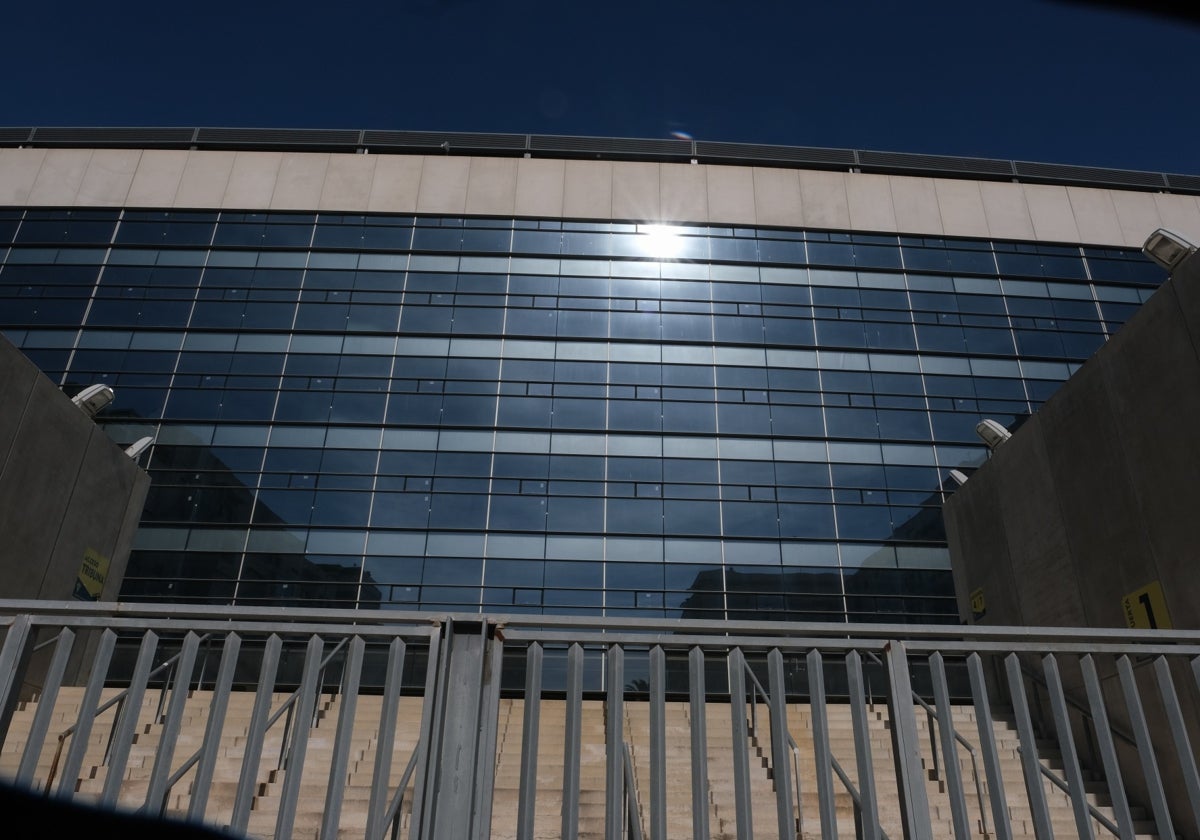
x: 978, y: 605
x: 92, y: 574
x: 1146, y: 609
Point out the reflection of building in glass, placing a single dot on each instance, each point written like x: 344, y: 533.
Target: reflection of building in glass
x: 555, y: 411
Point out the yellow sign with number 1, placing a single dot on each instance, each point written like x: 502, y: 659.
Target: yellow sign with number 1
x: 1146, y: 608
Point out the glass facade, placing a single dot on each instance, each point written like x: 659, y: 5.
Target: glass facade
x: 521, y: 415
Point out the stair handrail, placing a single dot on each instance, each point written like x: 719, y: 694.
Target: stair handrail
x: 1084, y: 710
x: 117, y: 700
x: 630, y: 796
x: 392, y: 815
x: 1062, y: 785
x: 838, y: 770
x: 757, y: 688
x: 289, y: 704
x: 958, y: 737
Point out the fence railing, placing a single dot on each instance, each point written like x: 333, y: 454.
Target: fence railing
x: 468, y: 726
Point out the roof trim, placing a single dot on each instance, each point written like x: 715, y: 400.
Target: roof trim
x: 350, y: 141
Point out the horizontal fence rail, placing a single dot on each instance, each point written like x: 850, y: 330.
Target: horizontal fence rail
x: 592, y: 148
x: 339, y: 724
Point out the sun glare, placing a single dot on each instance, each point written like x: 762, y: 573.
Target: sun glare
x: 660, y: 241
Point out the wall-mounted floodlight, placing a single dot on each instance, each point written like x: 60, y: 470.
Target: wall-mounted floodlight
x: 992, y: 433
x: 958, y: 477
x: 1168, y: 248
x: 139, y: 446
x: 93, y: 398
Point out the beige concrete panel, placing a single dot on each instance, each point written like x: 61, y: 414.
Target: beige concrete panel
x: 777, y: 198
x: 1138, y: 215
x: 635, y: 192
x: 1180, y: 213
x: 60, y: 176
x: 157, y: 178
x: 492, y: 186
x: 206, y: 176
x: 869, y: 198
x: 443, y: 186
x: 397, y: 179
x: 730, y: 195
x: 539, y: 187
x: 1095, y: 216
x: 684, y: 192
x: 18, y: 171
x: 1050, y: 210
x: 588, y: 189
x: 301, y: 177
x: 347, y: 186
x: 1005, y: 210
x: 252, y: 180
x: 108, y: 178
x: 914, y: 201
x: 823, y: 195
x: 961, y: 206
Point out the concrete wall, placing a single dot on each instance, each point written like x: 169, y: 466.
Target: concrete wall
x: 628, y: 191
x: 65, y: 488
x: 1091, y: 500
x: 1096, y: 495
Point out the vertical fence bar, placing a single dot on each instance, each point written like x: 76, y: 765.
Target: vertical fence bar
x: 822, y: 753
x: 658, y: 744
x: 572, y: 743
x: 1066, y: 743
x: 781, y: 754
x: 42, y: 717
x: 386, y: 742
x: 614, y: 799
x: 69, y: 773
x: 1145, y: 748
x: 906, y: 746
x: 127, y: 721
x: 293, y: 771
x: 946, y: 731
x: 13, y: 658
x: 987, y: 745
x: 340, y: 761
x: 1179, y: 734
x: 1030, y: 765
x: 157, y: 789
x: 255, y: 734
x: 435, y: 665
x: 527, y: 796
x: 488, y: 722
x: 206, y: 766
x: 1108, y: 751
x: 862, y: 747
x: 699, y: 731
x: 736, y: 663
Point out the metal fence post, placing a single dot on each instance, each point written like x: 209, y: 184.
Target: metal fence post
x: 741, y: 743
x: 906, y: 747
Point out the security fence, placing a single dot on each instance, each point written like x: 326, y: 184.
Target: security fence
x: 276, y: 723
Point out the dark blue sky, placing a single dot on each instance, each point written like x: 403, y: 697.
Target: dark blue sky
x: 1024, y: 79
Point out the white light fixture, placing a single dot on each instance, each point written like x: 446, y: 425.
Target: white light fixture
x: 958, y: 477
x: 1168, y: 248
x: 992, y: 433
x: 139, y: 446
x: 93, y: 398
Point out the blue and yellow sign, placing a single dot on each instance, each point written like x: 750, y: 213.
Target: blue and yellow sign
x: 92, y: 574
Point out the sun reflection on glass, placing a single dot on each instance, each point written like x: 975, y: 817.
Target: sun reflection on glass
x: 660, y: 241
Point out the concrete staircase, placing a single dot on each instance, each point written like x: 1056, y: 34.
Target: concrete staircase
x: 548, y: 812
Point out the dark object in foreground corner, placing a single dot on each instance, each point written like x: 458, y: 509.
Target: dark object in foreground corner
x: 30, y: 815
